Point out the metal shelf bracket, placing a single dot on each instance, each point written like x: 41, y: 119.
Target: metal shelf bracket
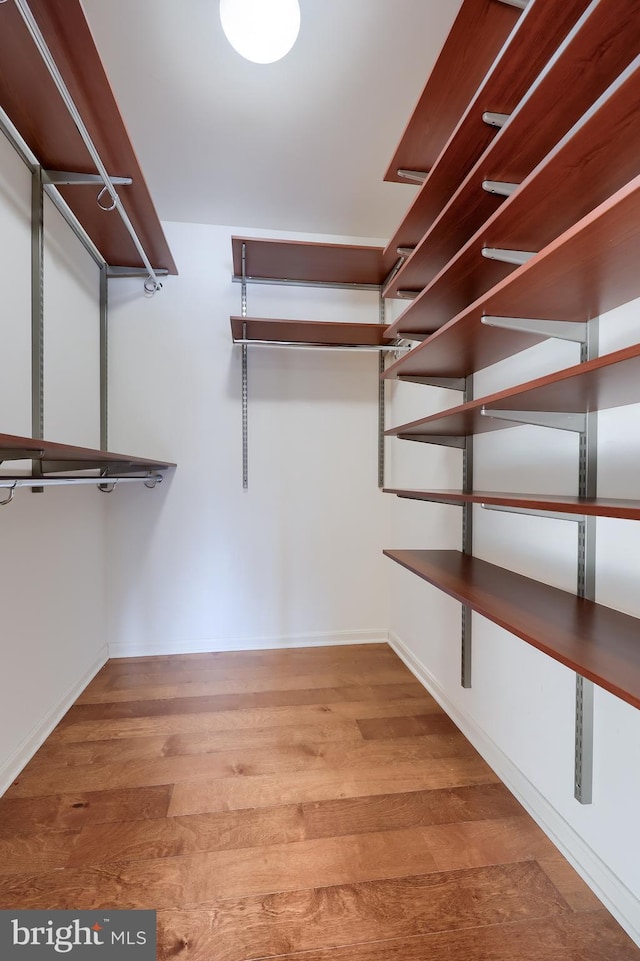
x: 538, y: 418
x: 518, y: 257
x: 559, y: 329
x: 499, y: 187
x: 495, y: 119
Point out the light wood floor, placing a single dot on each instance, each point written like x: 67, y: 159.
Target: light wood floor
x: 314, y: 805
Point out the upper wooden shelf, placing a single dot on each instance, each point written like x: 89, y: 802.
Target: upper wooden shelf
x: 289, y: 261
x: 604, y: 37
x: 33, y: 104
x: 609, y: 381
x: 540, y: 30
x: 554, y: 503
x: 472, y: 45
x: 588, y: 270
x: 320, y: 333
x: 53, y: 457
x: 599, y: 643
x: 596, y: 158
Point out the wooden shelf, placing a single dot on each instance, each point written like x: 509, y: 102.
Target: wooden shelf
x: 601, y: 644
x: 605, y: 38
x: 320, y: 333
x: 31, y: 101
x: 539, y: 32
x: 598, y: 157
x: 472, y: 45
x: 287, y: 261
x: 588, y: 270
x: 554, y: 503
x: 53, y: 457
x: 609, y: 381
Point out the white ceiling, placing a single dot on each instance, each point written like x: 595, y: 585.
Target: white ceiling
x: 299, y: 145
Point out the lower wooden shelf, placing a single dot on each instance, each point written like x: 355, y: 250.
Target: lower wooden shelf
x: 553, y: 503
x: 53, y: 458
x: 320, y: 333
x: 601, y: 644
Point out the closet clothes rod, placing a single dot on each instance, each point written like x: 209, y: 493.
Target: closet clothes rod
x: 13, y: 483
x: 152, y: 283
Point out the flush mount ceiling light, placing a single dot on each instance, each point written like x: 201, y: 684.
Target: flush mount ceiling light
x: 262, y: 31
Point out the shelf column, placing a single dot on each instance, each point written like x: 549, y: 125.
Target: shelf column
x: 588, y: 487
x: 467, y: 541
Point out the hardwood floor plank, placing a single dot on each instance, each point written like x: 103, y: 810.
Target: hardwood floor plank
x: 182, y: 835
x: 348, y: 820
x: 192, y: 834
x: 571, y: 937
x: 224, y: 794
x: 258, y: 927
x: 241, y: 720
x: 384, y: 728
x: 474, y: 843
x: 150, y: 707
x: 248, y: 684
x: 116, y: 674
x: 297, y: 658
x: 76, y: 753
x: 573, y: 889
x: 412, y: 809
x: 36, y: 853
x: 37, y: 780
x: 71, y: 811
x: 176, y: 882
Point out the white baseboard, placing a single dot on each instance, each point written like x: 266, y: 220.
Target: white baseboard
x: 221, y: 644
x: 613, y: 893
x: 10, y: 769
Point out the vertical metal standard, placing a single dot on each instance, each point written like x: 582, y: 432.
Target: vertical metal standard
x: 37, y: 312
x: 245, y: 376
x: 104, y: 359
x: 586, y: 587
x: 381, y: 397
x: 467, y: 541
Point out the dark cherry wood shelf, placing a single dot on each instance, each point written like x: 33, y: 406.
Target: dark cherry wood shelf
x: 321, y: 333
x: 596, y: 158
x: 588, y: 270
x: 54, y: 458
x: 601, y: 644
x: 31, y: 101
x: 305, y: 262
x: 539, y: 32
x: 596, y: 507
x: 612, y: 380
x: 473, y: 43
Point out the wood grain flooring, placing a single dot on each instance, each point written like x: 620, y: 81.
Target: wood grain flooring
x: 306, y: 805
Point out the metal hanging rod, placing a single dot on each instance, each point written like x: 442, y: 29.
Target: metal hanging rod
x: 153, y: 283
x: 106, y: 484
x: 287, y: 282
x: 15, y: 482
x: 381, y: 348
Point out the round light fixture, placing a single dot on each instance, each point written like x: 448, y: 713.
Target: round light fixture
x: 262, y: 31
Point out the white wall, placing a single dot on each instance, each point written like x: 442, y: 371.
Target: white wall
x: 52, y: 556
x: 520, y: 709
x: 198, y: 563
